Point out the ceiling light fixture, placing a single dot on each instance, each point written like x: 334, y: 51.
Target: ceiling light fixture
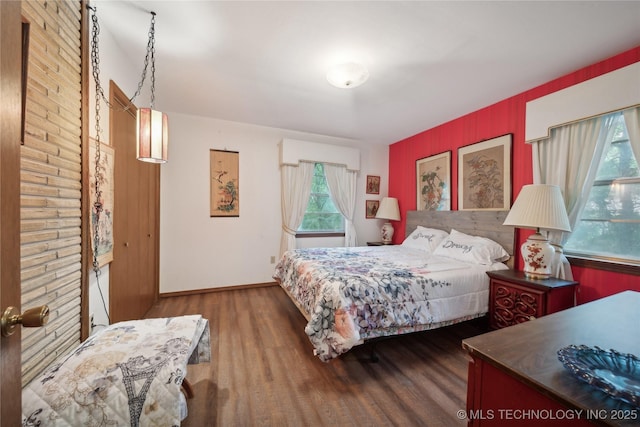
x: 151, y: 126
x: 347, y: 75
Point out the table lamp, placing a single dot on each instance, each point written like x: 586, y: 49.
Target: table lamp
x: 538, y: 206
x: 388, y: 210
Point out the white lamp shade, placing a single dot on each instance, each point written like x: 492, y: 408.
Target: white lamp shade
x: 152, y: 135
x: 539, y: 206
x: 389, y: 209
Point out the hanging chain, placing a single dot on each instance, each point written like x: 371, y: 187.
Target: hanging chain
x: 100, y: 96
x: 97, y: 205
x: 151, y: 49
x: 95, y: 60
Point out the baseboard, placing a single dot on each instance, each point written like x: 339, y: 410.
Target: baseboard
x: 220, y: 289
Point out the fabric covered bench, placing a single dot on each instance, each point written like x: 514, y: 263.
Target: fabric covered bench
x: 129, y: 374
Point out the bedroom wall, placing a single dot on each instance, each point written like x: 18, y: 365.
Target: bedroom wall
x: 200, y: 252
x: 507, y: 116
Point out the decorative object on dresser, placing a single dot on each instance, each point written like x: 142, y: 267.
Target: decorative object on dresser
x: 515, y: 298
x: 615, y: 373
x: 388, y: 210
x: 539, y: 206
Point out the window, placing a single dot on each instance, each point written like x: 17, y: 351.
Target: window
x: 321, y: 215
x: 609, y: 225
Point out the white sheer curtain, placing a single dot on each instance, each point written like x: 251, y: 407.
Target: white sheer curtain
x: 632, y: 120
x: 342, y: 186
x: 295, y: 189
x: 570, y: 159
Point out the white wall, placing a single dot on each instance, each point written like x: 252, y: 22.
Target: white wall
x: 201, y: 252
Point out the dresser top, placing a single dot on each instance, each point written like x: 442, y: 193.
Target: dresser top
x: 528, y: 351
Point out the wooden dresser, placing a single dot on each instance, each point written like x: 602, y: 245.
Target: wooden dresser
x: 515, y: 377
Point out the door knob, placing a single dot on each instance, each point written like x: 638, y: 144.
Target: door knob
x: 31, y: 318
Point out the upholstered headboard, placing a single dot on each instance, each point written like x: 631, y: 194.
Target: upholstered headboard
x: 477, y: 223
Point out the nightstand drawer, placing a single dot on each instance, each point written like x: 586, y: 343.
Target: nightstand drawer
x: 514, y: 298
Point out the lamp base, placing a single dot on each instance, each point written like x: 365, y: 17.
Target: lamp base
x: 538, y: 255
x: 387, y: 233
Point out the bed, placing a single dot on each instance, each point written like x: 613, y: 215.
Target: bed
x: 128, y: 374
x: 436, y: 277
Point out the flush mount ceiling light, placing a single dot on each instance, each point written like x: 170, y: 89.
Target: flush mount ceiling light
x: 347, y: 75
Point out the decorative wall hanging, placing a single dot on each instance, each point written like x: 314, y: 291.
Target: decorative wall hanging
x: 104, y: 172
x: 433, y: 186
x: 373, y: 184
x: 371, y: 208
x: 484, y: 175
x: 225, y: 192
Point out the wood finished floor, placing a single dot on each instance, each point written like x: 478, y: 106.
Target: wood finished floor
x: 263, y: 371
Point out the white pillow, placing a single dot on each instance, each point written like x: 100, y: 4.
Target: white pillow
x: 473, y: 249
x: 425, y: 239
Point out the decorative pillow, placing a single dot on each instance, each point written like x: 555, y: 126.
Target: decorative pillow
x: 473, y: 249
x: 425, y: 239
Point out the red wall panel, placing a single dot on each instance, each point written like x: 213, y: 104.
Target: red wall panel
x: 507, y: 116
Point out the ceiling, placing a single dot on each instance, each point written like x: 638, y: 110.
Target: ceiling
x: 265, y: 62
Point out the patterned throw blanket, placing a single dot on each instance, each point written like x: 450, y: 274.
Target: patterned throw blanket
x: 128, y: 374
x: 352, y: 294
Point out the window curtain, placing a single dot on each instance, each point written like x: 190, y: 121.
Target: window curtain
x: 295, y: 189
x: 569, y: 158
x: 632, y: 120
x: 342, y: 186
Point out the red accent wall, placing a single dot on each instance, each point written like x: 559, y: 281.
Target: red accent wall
x: 507, y: 116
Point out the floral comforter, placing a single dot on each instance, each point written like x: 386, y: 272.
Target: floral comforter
x: 128, y: 374
x: 352, y: 294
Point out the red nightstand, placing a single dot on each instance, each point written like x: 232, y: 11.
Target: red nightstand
x: 514, y: 298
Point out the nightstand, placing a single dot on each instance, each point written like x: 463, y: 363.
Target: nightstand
x: 514, y: 298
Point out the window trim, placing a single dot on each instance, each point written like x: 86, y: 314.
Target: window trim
x: 305, y: 234
x: 604, y: 263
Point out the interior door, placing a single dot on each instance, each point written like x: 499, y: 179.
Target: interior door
x: 10, y: 120
x: 134, y: 272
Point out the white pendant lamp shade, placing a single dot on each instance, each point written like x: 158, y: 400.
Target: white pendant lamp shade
x: 152, y: 135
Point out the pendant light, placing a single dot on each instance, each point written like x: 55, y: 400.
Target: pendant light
x: 152, y: 126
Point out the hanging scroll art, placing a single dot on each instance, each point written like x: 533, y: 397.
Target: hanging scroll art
x: 224, y: 177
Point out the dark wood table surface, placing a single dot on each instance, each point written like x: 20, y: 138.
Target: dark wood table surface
x: 528, y: 351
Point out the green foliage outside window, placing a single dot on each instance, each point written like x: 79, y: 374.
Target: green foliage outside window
x: 321, y: 215
x: 610, y: 221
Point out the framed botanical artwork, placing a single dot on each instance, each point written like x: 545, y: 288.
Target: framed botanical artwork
x: 104, y: 251
x: 373, y: 184
x: 433, y: 182
x: 484, y: 175
x: 371, y: 208
x: 224, y: 176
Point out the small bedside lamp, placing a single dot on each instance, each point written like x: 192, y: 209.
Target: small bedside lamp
x: 388, y: 210
x: 538, y: 206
